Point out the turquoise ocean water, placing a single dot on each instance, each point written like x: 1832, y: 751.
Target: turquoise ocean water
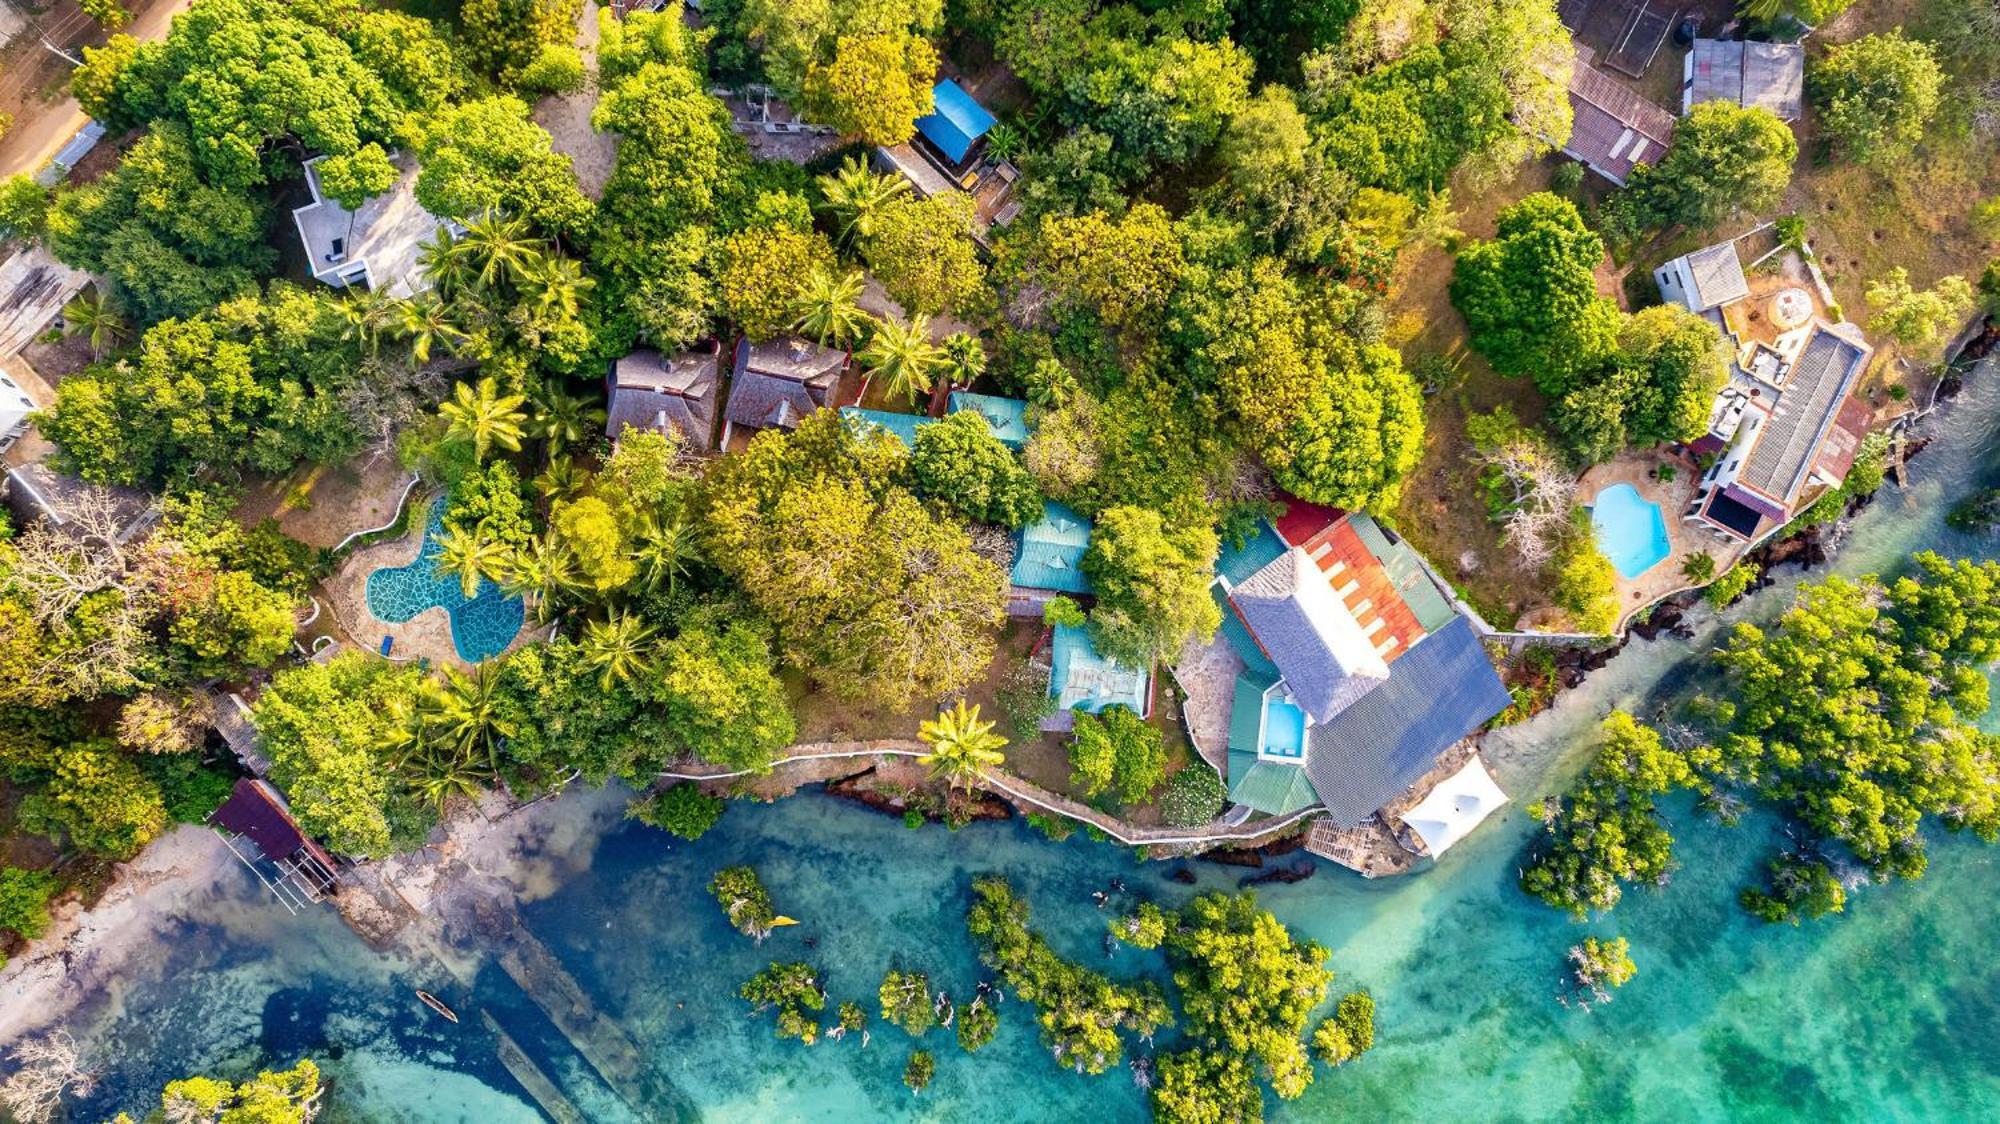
x: 1889, y: 1013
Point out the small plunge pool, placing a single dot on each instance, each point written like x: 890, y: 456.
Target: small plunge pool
x: 1630, y: 530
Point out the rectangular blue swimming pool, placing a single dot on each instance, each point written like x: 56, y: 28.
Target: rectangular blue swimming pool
x: 1284, y: 729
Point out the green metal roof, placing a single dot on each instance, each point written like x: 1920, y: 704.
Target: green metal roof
x: 904, y: 426
x: 1082, y: 678
x: 1246, y: 715
x: 1051, y: 551
x: 1006, y: 417
x: 1253, y: 657
x: 1271, y: 788
x: 1405, y: 572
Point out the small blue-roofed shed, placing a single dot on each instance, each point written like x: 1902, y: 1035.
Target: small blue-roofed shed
x: 1051, y: 552
x: 1082, y: 678
x: 904, y: 426
x: 1006, y: 417
x: 957, y: 123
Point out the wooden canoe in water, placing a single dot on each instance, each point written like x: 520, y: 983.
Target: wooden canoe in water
x: 436, y: 1004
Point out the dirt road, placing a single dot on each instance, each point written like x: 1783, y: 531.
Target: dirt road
x: 41, y: 127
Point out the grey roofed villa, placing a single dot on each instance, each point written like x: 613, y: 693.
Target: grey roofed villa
x: 649, y: 390
x: 776, y: 385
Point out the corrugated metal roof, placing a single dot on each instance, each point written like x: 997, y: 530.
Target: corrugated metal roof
x: 1406, y: 573
x: 1082, y: 678
x: 1378, y: 747
x: 1051, y: 551
x: 1006, y: 417
x: 903, y: 426
x: 1783, y: 454
x: 1273, y: 788
x: 1246, y: 711
x: 1237, y: 564
x: 957, y: 121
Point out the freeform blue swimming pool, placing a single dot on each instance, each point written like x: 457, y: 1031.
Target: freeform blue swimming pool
x: 1630, y: 530
x: 481, y: 626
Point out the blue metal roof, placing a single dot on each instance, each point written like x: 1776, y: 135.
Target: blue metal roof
x: 957, y: 121
x: 1051, y: 551
x: 1235, y: 565
x: 1006, y: 417
x: 904, y: 426
x: 1441, y: 690
x: 1082, y: 678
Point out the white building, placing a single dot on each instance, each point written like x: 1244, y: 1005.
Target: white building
x: 1784, y: 424
x: 377, y: 246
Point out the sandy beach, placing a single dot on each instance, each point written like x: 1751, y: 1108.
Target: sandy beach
x: 85, y: 948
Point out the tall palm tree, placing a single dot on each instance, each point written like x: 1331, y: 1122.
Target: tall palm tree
x: 98, y: 317
x: 464, y: 554
x: 618, y: 647
x: 962, y: 746
x: 370, y: 314
x: 498, y: 249
x: 485, y: 417
x: 964, y: 358
x: 426, y: 321
x: 440, y: 775
x: 665, y: 550
x: 543, y: 572
x: 554, y: 286
x: 855, y: 195
x: 829, y: 307
x: 903, y: 356
x: 562, y: 420
x: 466, y: 719
x: 1050, y: 384
x: 445, y: 264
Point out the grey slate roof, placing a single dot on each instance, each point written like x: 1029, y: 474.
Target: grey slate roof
x: 1270, y: 602
x: 1825, y: 371
x: 1439, y: 692
x: 777, y: 384
x: 651, y: 391
x: 1717, y: 275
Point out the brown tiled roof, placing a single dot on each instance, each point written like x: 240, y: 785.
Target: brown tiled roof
x: 1614, y: 129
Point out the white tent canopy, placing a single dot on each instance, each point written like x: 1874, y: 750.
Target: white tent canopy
x: 1458, y: 804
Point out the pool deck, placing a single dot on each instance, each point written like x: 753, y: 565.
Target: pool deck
x: 1665, y: 578
x: 424, y: 636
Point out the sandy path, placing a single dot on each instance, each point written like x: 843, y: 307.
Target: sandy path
x: 567, y: 117
x: 39, y: 133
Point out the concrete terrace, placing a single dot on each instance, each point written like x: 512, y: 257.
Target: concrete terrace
x: 1638, y: 468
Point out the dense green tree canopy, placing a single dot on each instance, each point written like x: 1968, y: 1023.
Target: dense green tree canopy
x: 172, y: 244
x: 243, y: 75
x: 328, y: 729
x: 1876, y: 95
x: 255, y: 383
x: 1152, y: 584
x: 1530, y: 296
x: 488, y: 157
x: 868, y: 591
x: 1726, y: 160
x: 959, y: 464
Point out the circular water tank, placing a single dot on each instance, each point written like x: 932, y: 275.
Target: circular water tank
x: 1791, y: 308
